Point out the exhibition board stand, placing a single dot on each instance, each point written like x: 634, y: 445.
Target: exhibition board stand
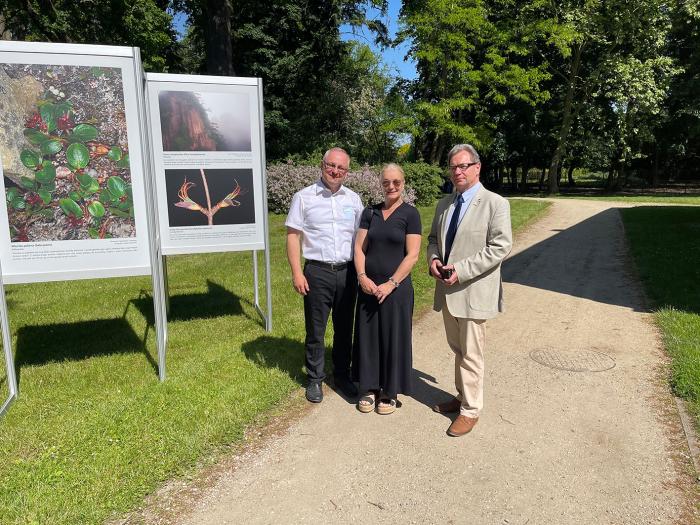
x: 208, y: 161
x: 77, y: 201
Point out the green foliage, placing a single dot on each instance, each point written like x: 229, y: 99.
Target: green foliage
x: 425, y: 179
x: 78, y: 156
x: 146, y: 24
x: 49, y: 129
x: 473, y: 57
x: 70, y: 207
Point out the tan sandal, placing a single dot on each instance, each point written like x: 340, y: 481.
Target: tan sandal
x: 366, y: 403
x: 386, y: 406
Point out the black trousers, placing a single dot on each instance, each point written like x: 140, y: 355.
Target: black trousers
x: 329, y: 290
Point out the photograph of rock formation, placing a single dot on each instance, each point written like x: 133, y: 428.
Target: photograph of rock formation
x: 208, y: 197
x: 65, y: 153
x: 204, y: 121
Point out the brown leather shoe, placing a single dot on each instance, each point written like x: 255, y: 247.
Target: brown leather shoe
x: 462, y: 425
x: 448, y: 406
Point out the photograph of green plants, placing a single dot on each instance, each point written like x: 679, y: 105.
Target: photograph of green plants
x: 65, y: 153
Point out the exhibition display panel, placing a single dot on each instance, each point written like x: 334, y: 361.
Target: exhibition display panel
x: 77, y: 198
x: 208, y: 161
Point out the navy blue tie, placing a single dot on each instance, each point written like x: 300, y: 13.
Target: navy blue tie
x: 452, y: 228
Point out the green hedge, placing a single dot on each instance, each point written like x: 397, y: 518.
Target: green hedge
x: 425, y: 179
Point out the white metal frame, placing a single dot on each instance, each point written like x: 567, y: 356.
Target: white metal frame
x: 7, y: 346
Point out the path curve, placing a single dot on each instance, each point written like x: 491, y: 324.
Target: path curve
x: 552, y: 446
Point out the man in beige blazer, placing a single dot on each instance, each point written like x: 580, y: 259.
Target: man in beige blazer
x: 470, y: 237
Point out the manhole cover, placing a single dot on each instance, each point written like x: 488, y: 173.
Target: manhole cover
x: 574, y: 361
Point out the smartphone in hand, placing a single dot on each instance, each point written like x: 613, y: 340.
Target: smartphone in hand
x: 445, y: 273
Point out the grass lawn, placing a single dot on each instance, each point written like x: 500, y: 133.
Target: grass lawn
x: 94, y: 431
x: 665, y: 243
x: 660, y: 199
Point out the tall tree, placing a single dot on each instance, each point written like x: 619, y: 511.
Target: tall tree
x: 472, y: 58
x: 616, y: 58
x: 294, y: 46
x: 142, y: 23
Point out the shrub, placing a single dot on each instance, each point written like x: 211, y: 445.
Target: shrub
x: 284, y: 180
x: 425, y: 179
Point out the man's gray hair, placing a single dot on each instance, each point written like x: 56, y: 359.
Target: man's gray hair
x: 463, y: 147
x: 340, y: 150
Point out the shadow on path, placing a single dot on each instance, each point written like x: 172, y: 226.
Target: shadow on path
x: 573, y: 259
x: 425, y: 392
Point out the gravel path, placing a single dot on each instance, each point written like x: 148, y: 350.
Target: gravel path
x: 552, y: 446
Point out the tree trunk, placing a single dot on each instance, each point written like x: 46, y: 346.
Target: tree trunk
x: 610, y: 183
x: 523, y: 176
x: 567, y: 118
x: 218, y: 38
x: 541, y: 184
x: 655, y: 171
x: 513, y: 175
x: 570, y: 175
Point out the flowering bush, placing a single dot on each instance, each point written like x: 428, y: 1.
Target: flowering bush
x: 284, y: 180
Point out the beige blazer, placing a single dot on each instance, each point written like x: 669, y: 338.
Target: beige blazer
x: 484, y: 238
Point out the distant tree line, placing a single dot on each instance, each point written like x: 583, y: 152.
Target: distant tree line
x: 609, y: 86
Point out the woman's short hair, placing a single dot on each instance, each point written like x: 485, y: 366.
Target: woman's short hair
x: 392, y: 166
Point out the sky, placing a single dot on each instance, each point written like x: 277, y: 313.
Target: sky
x: 393, y: 58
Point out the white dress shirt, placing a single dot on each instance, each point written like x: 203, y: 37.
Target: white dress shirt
x: 328, y: 222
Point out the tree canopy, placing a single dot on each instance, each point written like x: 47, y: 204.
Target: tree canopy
x: 607, y: 86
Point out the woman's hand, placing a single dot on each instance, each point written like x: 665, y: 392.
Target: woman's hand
x: 368, y: 285
x: 383, y: 291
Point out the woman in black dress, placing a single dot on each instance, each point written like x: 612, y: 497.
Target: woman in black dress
x: 386, y: 249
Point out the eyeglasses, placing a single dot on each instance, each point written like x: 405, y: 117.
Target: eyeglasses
x: 387, y: 183
x: 330, y: 166
x: 463, y: 167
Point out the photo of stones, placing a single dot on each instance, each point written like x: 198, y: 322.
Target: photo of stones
x: 204, y: 121
x: 208, y: 197
x: 65, y: 154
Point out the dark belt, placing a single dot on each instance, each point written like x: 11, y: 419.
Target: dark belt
x: 335, y: 267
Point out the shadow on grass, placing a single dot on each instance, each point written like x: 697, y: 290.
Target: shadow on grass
x: 665, y: 244
x: 43, y: 344
x: 217, y: 301
x: 277, y: 352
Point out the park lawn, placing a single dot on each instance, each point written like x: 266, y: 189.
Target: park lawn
x: 665, y: 244
x: 94, y: 432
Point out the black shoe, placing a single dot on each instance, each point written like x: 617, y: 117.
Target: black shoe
x: 346, y: 386
x: 314, y: 393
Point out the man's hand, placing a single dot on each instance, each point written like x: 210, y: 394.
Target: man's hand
x: 301, y: 285
x: 368, y: 285
x: 435, y: 266
x: 383, y: 291
x: 452, y: 279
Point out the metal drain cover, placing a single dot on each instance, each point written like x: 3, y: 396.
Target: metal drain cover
x: 574, y: 361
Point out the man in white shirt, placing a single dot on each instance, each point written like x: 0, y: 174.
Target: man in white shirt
x: 321, y: 225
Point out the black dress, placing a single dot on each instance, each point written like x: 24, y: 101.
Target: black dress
x: 382, y: 356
